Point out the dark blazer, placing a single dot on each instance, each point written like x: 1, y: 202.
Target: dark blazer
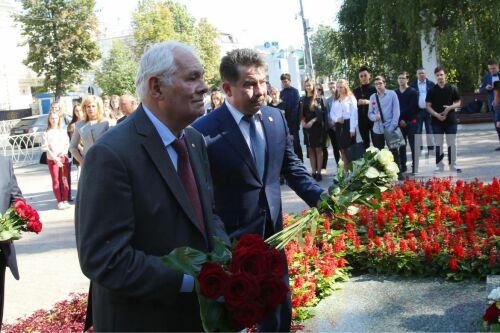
x: 132, y: 209
x: 491, y: 93
x: 428, y: 82
x: 9, y: 191
x: 243, y: 201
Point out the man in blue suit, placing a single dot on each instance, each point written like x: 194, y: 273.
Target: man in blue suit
x: 248, y: 147
x: 487, y: 88
x: 422, y: 85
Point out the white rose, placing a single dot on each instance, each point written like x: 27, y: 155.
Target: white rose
x: 372, y: 149
x: 384, y: 157
x: 392, y: 170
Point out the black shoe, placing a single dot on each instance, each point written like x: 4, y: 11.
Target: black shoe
x: 319, y: 177
x: 497, y: 149
x: 403, y: 169
x: 400, y: 176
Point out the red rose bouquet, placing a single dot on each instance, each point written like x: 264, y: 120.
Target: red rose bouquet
x: 19, y: 217
x: 236, y: 289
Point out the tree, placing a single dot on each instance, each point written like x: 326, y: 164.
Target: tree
x: 162, y: 20
x: 209, y: 51
x: 117, y: 73
x: 60, y: 36
x: 385, y: 35
x: 325, y: 53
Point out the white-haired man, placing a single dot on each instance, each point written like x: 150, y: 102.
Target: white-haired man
x: 139, y: 201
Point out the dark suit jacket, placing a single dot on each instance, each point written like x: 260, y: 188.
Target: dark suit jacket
x: 131, y: 210
x: 9, y: 191
x: 244, y: 202
x: 428, y: 82
x: 491, y: 93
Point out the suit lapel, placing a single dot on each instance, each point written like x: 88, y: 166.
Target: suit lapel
x: 268, y: 125
x: 232, y: 134
x: 158, y: 153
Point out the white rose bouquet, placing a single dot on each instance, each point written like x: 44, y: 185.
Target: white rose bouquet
x: 364, y: 180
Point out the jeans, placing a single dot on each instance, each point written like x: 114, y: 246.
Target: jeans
x: 450, y: 131
x: 424, y: 118
x: 59, y: 179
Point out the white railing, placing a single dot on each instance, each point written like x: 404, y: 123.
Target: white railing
x: 6, y: 125
x: 22, y: 149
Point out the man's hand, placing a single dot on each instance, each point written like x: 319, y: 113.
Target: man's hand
x: 363, y: 101
x: 291, y: 137
x: 498, y: 124
x: 489, y: 87
x: 440, y: 116
x: 447, y: 109
x: 402, y: 123
x: 353, y: 134
x: 377, y: 117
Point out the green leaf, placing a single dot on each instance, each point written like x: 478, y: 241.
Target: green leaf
x: 9, y: 235
x: 185, y: 260
x: 220, y: 252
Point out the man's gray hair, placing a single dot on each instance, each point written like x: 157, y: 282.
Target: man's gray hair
x: 159, y: 60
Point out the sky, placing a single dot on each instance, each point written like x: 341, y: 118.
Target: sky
x: 259, y: 22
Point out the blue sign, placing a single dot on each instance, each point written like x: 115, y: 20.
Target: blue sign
x: 267, y: 45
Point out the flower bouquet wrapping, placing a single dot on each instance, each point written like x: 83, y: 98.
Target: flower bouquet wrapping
x: 20, y: 217
x: 236, y: 289
x: 364, y: 180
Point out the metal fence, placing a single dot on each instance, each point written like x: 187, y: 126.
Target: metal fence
x: 6, y: 125
x: 22, y: 149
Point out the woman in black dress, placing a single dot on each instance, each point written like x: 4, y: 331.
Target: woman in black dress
x: 312, y: 110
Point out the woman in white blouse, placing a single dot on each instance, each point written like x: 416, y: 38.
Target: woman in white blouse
x: 344, y: 115
x: 55, y: 143
x: 91, y: 128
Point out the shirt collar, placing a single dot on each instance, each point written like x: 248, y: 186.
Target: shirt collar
x: 422, y: 82
x: 165, y: 133
x: 237, y: 115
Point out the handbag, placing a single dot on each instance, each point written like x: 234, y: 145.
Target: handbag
x: 356, y: 150
x: 43, y: 158
x: 394, y: 139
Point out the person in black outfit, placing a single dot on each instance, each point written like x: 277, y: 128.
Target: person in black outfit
x: 290, y: 96
x: 408, y: 119
x: 311, y: 111
x: 321, y: 94
x: 277, y: 103
x: 332, y: 86
x: 362, y: 94
x: 441, y: 101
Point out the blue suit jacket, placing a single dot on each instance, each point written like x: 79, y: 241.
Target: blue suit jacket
x: 244, y: 202
x: 491, y: 94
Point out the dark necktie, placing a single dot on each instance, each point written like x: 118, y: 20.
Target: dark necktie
x: 186, y: 175
x: 257, y: 146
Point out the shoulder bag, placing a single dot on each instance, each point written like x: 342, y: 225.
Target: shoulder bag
x: 393, y: 139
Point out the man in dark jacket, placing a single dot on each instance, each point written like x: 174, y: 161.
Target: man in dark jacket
x: 291, y: 96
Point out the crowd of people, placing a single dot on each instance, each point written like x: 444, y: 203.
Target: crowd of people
x: 173, y: 185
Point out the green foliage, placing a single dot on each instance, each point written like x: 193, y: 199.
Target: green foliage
x: 117, y: 73
x: 162, y: 20
x: 385, y: 35
x: 60, y: 36
x: 325, y: 53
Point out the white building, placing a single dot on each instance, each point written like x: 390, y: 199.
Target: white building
x: 16, y: 79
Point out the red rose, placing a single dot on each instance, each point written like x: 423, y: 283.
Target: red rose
x: 240, y: 288
x: 249, y: 260
x: 272, y: 291
x: 34, y: 226
x: 22, y: 208
x: 248, y: 314
x: 276, y: 262
x: 251, y: 241
x: 491, y: 314
x: 212, y: 279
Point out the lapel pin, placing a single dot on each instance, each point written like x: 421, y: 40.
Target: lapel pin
x: 192, y: 145
x: 271, y: 119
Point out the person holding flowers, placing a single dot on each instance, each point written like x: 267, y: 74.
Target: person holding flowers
x: 248, y: 147
x: 9, y: 193
x: 145, y: 190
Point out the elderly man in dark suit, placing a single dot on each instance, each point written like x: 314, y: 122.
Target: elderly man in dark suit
x: 9, y: 191
x: 140, y: 200
x: 248, y: 147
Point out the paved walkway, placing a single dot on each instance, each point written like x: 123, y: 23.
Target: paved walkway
x: 48, y: 262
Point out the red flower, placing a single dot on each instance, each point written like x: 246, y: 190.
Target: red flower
x: 253, y: 241
x: 249, y: 260
x: 453, y: 264
x: 212, y: 280
x: 248, y: 314
x: 34, y: 226
x: 240, y: 288
x: 458, y: 250
x: 273, y: 291
x: 22, y: 208
x: 275, y: 262
x: 492, y: 313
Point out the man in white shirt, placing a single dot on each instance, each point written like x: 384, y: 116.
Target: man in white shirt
x: 422, y: 85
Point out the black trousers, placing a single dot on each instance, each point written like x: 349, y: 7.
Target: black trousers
x: 296, y: 146
x: 3, y: 265
x: 365, y: 127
